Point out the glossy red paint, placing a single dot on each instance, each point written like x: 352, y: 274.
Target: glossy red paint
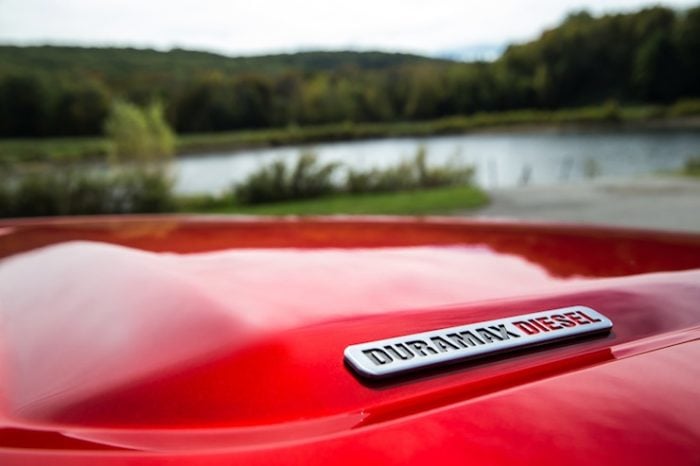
x: 184, y: 340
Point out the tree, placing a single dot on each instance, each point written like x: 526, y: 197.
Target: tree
x: 688, y: 44
x: 81, y: 109
x: 655, y: 66
x: 139, y: 135
x: 24, y: 106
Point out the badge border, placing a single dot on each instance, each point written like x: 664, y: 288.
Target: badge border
x: 363, y: 366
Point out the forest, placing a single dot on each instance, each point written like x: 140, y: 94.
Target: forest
x: 648, y: 57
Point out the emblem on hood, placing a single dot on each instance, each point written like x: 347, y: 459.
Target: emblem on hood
x: 396, y: 355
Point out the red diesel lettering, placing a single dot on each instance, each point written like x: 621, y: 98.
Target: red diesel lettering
x: 576, y: 318
x: 554, y: 322
x: 526, y: 327
x: 563, y: 320
x: 548, y: 323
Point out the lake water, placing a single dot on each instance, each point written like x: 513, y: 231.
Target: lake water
x: 501, y: 159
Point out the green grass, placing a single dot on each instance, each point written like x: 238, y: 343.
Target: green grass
x: 53, y: 149
x: 96, y: 148
x: 419, y: 202
x: 692, y: 168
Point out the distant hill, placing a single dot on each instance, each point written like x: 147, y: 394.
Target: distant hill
x: 647, y: 57
x: 114, y: 62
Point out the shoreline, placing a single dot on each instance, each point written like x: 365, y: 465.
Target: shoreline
x: 92, y: 148
x: 660, y: 124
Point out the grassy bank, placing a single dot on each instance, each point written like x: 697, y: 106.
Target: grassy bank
x: 76, y: 149
x: 418, y: 202
x: 692, y: 168
x: 305, y: 187
x: 54, y: 150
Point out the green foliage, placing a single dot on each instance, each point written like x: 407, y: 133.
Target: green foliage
x: 202, y: 202
x: 24, y: 106
x: 126, y: 127
x: 396, y: 178
x: 54, y: 150
x: 450, y: 174
x: 120, y: 63
x: 81, y: 108
x: 77, y: 192
x: 277, y: 182
x: 685, y: 107
x: 415, y: 202
x: 611, y: 111
x: 407, y: 175
x: 218, y: 103
x: 139, y: 135
x: 692, y: 167
x: 651, y: 56
x: 310, y: 179
x: 162, y: 137
x: 630, y: 57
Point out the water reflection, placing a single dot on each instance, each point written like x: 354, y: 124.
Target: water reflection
x: 501, y: 159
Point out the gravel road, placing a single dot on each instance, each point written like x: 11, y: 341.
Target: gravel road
x: 663, y: 202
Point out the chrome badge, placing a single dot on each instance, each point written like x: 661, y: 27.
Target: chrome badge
x: 382, y: 358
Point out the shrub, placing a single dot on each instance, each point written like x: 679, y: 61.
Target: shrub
x: 162, y: 137
x: 37, y: 194
x: 611, y: 111
x: 309, y: 178
x: 268, y: 184
x: 139, y: 135
x: 276, y: 182
x: 408, y: 174
x: 400, y: 177
x: 74, y: 192
x: 450, y: 174
x: 692, y: 166
x: 685, y: 107
x: 143, y: 191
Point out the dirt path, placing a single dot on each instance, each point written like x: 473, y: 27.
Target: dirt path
x: 671, y: 203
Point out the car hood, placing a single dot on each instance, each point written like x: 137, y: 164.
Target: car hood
x: 211, y: 340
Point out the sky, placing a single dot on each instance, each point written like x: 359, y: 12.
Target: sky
x: 249, y: 27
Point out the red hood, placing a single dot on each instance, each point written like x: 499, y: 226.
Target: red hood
x: 213, y: 340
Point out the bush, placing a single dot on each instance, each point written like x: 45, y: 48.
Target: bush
x: 400, y: 177
x: 162, y: 137
x: 276, y: 182
x: 74, y: 192
x: 450, y: 174
x: 611, y: 111
x: 141, y: 191
x: 139, y: 135
x: 37, y: 195
x: 408, y: 174
x: 692, y: 166
x: 309, y: 179
x: 685, y: 107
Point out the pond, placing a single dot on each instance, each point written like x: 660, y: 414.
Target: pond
x: 501, y: 159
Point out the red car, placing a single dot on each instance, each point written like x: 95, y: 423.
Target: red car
x: 218, y: 341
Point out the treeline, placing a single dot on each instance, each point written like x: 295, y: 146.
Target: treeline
x: 652, y: 56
